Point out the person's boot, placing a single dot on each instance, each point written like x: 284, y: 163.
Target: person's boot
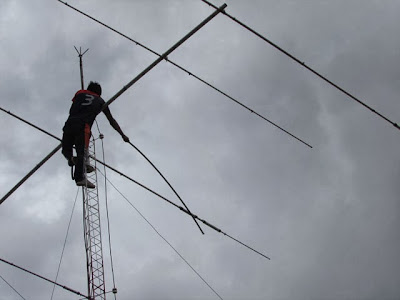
x: 85, y: 182
x: 89, y: 168
x: 72, y: 162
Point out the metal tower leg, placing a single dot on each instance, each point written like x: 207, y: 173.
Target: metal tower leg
x: 92, y: 233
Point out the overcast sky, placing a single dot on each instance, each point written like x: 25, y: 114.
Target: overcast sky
x: 328, y: 217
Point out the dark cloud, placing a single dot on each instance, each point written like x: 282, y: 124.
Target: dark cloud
x: 328, y: 216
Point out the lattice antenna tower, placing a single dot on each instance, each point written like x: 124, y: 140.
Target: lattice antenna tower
x: 91, y: 220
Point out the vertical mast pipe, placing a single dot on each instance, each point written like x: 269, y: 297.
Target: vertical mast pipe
x: 81, y: 69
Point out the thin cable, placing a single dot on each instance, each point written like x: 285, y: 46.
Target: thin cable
x: 159, y: 234
x: 182, y: 209
x: 165, y: 181
x: 305, y: 66
x: 162, y: 57
x: 41, y: 277
x: 65, y: 242
x: 108, y: 218
x: 12, y: 287
x: 172, y: 203
x: 189, y: 73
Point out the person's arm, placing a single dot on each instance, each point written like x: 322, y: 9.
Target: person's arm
x: 115, y: 124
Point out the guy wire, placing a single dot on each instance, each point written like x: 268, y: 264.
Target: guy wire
x: 107, y: 213
x: 159, y: 234
x: 12, y: 287
x: 181, y: 208
x: 65, y: 242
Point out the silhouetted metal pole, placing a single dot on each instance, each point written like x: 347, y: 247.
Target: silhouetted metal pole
x: 157, y: 61
x: 302, y: 63
x: 190, y: 73
x: 164, y: 56
x: 158, y: 195
x: 30, y: 173
x: 81, y: 65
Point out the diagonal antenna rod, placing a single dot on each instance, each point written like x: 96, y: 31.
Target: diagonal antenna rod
x: 160, y: 235
x: 41, y: 163
x: 65, y: 243
x: 165, y: 199
x: 190, y: 74
x: 180, y: 207
x: 305, y: 66
x: 157, y: 61
x: 38, y: 165
x: 165, y: 55
x: 41, y: 277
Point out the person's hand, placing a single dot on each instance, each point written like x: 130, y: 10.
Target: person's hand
x: 125, y: 138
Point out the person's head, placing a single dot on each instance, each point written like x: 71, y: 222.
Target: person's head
x: 94, y: 87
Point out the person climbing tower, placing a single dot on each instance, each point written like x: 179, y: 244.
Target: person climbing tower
x: 86, y: 105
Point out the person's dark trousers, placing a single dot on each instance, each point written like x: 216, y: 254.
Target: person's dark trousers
x: 74, y: 134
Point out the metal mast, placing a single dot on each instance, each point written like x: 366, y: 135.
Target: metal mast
x: 91, y: 221
x: 94, y: 253
x: 92, y: 233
